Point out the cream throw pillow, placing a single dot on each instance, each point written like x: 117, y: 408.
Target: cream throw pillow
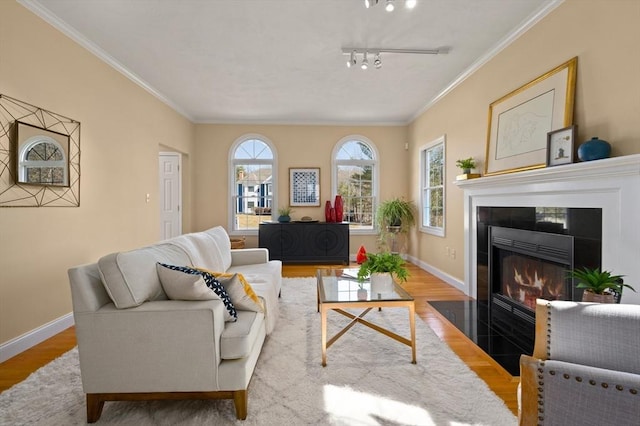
x: 181, y: 286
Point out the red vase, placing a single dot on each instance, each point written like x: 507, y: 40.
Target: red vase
x: 333, y: 215
x: 338, y: 206
x: 327, y: 211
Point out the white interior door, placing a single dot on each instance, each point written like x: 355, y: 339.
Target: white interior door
x: 170, y: 195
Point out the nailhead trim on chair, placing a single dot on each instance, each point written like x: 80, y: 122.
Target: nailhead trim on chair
x: 549, y: 330
x: 591, y: 382
x: 541, y: 370
x: 540, y: 393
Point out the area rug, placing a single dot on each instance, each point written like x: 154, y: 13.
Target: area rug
x: 368, y: 380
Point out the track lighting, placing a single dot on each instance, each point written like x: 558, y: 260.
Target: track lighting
x: 377, y: 61
x: 390, y: 4
x: 365, y: 62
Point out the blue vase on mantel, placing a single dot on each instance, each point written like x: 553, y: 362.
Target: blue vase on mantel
x: 594, y: 149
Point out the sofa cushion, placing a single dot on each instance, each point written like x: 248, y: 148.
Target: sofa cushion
x: 240, y: 292
x: 130, y: 278
x: 201, y: 249
x: 222, y: 241
x: 215, y: 285
x: 238, y: 338
x: 181, y: 286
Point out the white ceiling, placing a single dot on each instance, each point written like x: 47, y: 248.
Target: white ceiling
x: 281, y: 61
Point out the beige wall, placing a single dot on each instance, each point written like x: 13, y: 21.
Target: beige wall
x: 296, y: 146
x: 122, y: 129
x: 603, y: 34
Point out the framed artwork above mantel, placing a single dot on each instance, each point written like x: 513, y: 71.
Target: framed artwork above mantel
x: 520, y: 121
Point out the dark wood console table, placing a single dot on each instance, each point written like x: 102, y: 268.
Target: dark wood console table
x: 306, y: 242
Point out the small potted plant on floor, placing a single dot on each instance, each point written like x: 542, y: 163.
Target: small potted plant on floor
x: 380, y: 269
x: 599, y: 286
x: 284, y: 213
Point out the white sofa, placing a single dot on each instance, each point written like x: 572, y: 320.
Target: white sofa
x: 136, y: 344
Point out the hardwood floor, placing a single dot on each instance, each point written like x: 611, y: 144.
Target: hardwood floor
x: 421, y: 285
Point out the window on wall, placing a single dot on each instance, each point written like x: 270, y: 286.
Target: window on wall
x: 253, y: 186
x: 432, y: 161
x: 355, y: 178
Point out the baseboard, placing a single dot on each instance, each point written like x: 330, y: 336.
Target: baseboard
x: 451, y: 280
x: 30, y: 339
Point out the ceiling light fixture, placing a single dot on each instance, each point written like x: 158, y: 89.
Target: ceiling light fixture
x: 377, y: 62
x: 352, y: 59
x: 389, y: 6
x: 365, y: 61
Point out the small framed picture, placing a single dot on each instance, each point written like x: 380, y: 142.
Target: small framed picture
x: 560, y: 146
x: 304, y: 187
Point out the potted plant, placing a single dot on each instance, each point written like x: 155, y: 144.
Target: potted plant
x: 394, y: 217
x: 466, y: 164
x: 284, y: 214
x: 380, y: 269
x: 599, y: 286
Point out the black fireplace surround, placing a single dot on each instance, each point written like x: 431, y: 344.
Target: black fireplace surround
x: 524, y: 253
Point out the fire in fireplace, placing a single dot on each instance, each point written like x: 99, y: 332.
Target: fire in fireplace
x: 525, y: 279
x: 526, y: 265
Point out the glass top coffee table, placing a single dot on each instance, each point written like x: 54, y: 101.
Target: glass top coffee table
x: 338, y: 290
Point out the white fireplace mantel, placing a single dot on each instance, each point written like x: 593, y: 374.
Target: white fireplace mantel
x: 612, y: 184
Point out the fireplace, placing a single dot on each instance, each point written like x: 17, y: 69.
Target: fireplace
x: 527, y: 254
x: 526, y: 265
x: 602, y: 206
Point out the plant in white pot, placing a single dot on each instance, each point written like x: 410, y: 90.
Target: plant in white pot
x: 599, y: 286
x: 380, y: 269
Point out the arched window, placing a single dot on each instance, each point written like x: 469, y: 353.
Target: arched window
x: 355, y: 178
x: 253, y: 189
x: 42, y: 160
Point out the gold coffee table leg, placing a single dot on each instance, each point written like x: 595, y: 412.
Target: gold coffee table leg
x: 412, y: 325
x: 323, y: 328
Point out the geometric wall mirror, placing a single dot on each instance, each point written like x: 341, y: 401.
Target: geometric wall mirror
x: 39, y: 157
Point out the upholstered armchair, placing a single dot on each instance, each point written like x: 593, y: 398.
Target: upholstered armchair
x: 585, y: 368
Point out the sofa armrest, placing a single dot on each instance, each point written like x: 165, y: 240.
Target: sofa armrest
x: 249, y: 256
x: 160, y: 346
